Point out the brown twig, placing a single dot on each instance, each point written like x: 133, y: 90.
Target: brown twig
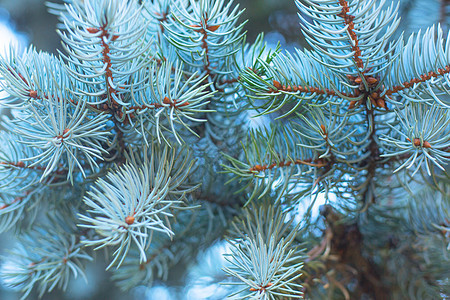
x: 309, y: 162
x: 348, y: 20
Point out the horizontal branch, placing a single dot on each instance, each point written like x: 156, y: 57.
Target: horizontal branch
x: 172, y: 103
x: 303, y: 89
x: 21, y: 164
x: 16, y: 199
x: 423, y: 78
x: 309, y: 162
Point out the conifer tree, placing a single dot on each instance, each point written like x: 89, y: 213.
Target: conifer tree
x: 158, y: 131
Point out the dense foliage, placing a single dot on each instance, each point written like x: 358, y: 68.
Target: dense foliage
x: 159, y: 131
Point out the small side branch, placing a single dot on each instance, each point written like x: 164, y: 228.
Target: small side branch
x: 348, y: 20
x: 109, y: 79
x: 21, y: 164
x: 304, y: 89
x: 202, y: 28
x: 17, y: 199
x: 171, y: 103
x: 319, y: 163
x: 413, y: 81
